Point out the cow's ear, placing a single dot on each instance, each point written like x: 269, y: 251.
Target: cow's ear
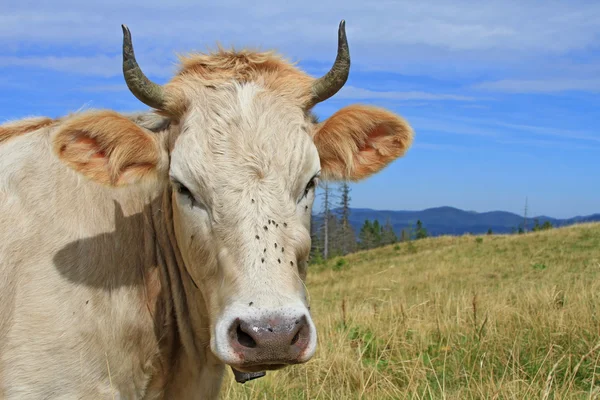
x: 358, y: 141
x: 109, y: 148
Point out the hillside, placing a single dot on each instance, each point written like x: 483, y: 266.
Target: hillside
x: 500, y: 316
x: 453, y: 221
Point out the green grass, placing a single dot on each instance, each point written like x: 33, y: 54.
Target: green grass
x: 486, y: 317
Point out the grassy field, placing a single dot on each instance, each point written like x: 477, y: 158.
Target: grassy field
x: 472, y: 317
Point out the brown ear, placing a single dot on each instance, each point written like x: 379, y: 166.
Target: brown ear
x: 108, y: 148
x: 358, y: 141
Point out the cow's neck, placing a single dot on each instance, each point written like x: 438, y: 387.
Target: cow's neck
x: 187, y: 334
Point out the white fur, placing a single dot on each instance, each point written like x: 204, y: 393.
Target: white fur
x: 256, y: 150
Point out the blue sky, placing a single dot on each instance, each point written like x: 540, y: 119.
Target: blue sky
x: 504, y: 96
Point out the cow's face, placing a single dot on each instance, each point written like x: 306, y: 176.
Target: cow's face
x: 244, y: 171
x: 241, y: 165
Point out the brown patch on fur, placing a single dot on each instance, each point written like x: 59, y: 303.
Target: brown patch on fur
x: 107, y: 148
x: 16, y: 128
x: 358, y: 141
x: 213, y: 69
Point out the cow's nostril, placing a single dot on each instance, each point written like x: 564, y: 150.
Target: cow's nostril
x: 295, y: 338
x: 244, y: 339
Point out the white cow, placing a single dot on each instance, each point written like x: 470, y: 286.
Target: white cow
x: 141, y: 254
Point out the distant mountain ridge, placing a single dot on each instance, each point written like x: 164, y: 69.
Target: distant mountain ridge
x: 453, y: 221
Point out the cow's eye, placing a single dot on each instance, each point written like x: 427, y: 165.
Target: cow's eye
x: 312, y: 184
x: 195, y: 203
x: 183, y: 190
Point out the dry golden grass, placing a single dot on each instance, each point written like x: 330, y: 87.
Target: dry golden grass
x: 489, y: 317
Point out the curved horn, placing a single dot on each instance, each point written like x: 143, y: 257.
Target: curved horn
x: 143, y: 88
x: 334, y: 80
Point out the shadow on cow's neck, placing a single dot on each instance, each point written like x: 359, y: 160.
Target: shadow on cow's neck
x: 114, y: 259
x: 140, y: 255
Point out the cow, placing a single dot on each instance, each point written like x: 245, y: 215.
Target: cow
x: 143, y: 253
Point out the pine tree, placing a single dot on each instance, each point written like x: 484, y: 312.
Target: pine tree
x: 376, y: 228
x: 546, y: 225
x: 387, y: 233
x: 421, y: 232
x: 326, y: 213
x: 326, y: 222
x: 316, y: 251
x: 347, y: 237
x: 366, y: 236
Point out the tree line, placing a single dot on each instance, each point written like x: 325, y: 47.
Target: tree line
x: 333, y: 235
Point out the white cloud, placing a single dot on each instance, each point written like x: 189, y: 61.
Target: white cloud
x: 493, y: 125
x: 104, y: 66
x: 541, y: 85
x: 440, y: 147
x: 548, y: 144
x: 435, y: 37
x: 504, y: 133
x: 544, y: 130
x: 356, y: 93
x: 105, y: 88
x: 99, y: 65
x: 422, y: 124
x: 540, y: 26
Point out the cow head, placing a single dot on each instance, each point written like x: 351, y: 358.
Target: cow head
x: 241, y: 159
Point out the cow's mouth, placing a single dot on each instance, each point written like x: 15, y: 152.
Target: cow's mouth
x: 250, y: 372
x: 251, y: 368
x: 243, y: 377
